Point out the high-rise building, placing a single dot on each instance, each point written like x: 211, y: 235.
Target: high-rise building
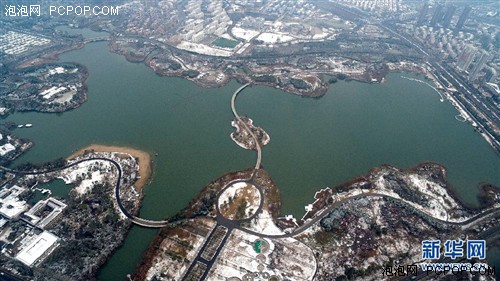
x: 448, y: 16
x: 437, y: 15
x: 491, y: 74
x: 423, y: 13
x: 483, y: 59
x: 462, y: 19
x: 466, y: 57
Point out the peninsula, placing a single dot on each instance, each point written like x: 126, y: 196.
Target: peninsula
x: 75, y: 233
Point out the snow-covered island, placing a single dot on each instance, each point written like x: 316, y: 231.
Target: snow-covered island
x: 242, y: 138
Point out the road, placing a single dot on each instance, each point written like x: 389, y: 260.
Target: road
x: 230, y: 225
x: 132, y: 218
x: 324, y: 212
x: 221, y: 221
x: 257, y: 144
x: 5, y: 276
x: 469, y: 93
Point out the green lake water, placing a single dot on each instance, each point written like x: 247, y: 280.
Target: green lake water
x: 314, y: 142
x: 57, y: 188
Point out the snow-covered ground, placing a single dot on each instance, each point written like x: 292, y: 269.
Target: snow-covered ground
x: 439, y: 203
x: 236, y: 190
x: 245, y: 34
x: 85, y: 172
x: 294, y: 261
x: 231, y: 191
x: 433, y: 189
x: 165, y: 265
x: 264, y: 224
x: 238, y: 252
x: 435, y: 208
x: 272, y: 38
x: 321, y: 35
x: 203, y: 49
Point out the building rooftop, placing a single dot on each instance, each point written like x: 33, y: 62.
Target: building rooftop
x: 37, y: 248
x: 10, y: 205
x: 36, y: 215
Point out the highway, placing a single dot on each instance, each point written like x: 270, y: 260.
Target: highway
x: 468, y: 92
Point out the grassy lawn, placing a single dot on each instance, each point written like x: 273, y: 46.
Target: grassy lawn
x: 225, y: 43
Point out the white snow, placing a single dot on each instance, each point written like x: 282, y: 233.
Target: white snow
x: 166, y: 266
x: 245, y: 34
x: 272, y: 38
x: 264, y: 224
x: 203, y: 49
x: 321, y: 35
x: 231, y: 191
x: 6, y: 148
x: 33, y: 251
x: 436, y: 208
x: 235, y: 190
x: 80, y: 172
x: 433, y: 189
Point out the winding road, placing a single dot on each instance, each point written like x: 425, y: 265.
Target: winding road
x: 257, y: 144
x: 464, y: 224
x: 132, y: 218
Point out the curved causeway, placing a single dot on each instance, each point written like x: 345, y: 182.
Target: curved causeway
x: 132, y: 218
x: 257, y: 144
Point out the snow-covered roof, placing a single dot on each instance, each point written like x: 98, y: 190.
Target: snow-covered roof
x: 34, y: 250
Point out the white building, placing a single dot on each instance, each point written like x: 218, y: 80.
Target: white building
x: 47, y: 94
x: 39, y: 248
x: 6, y: 148
x: 10, y: 205
x: 32, y: 217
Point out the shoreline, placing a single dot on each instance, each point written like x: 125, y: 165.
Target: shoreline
x: 144, y: 160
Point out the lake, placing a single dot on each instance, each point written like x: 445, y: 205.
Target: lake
x: 314, y: 142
